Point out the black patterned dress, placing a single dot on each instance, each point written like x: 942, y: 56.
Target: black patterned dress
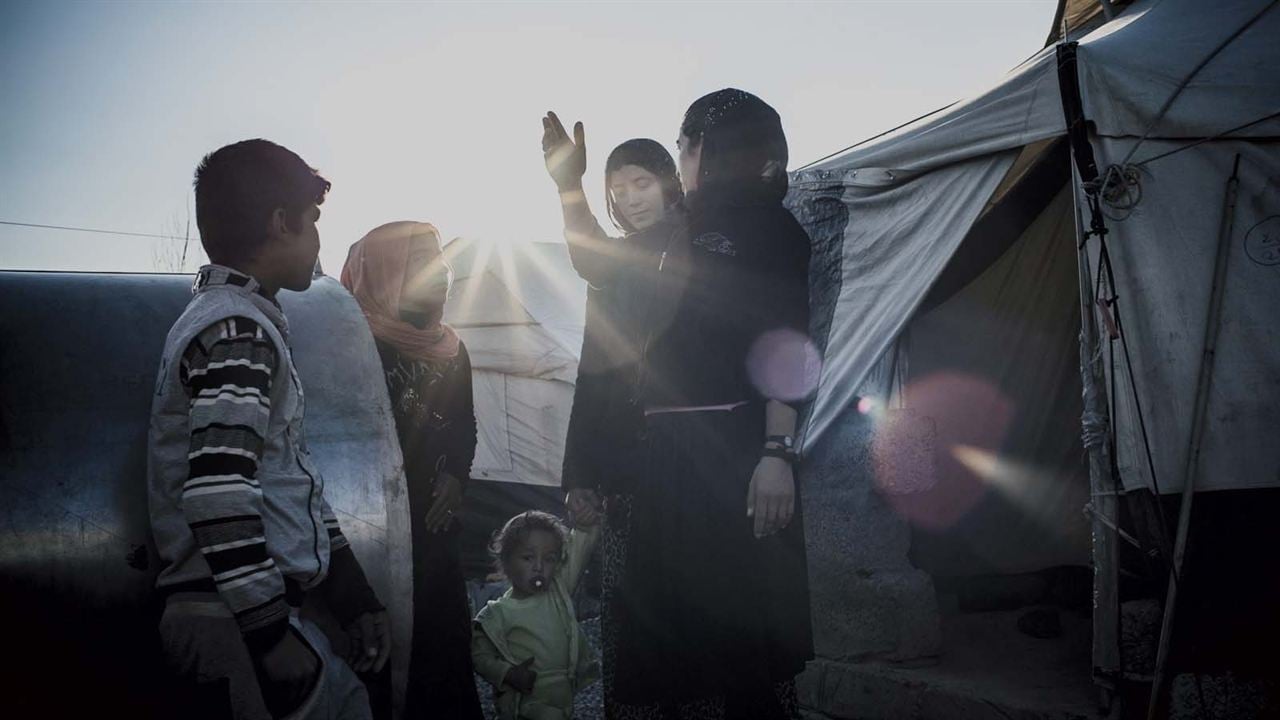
x: 602, y: 447
x: 712, y: 621
x: 435, y: 420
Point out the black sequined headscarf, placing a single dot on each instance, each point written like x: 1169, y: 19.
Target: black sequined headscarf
x: 649, y: 155
x: 744, y: 150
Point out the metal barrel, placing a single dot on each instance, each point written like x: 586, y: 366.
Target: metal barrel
x: 78, y: 360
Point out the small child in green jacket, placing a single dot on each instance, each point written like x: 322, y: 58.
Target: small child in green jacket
x: 528, y: 643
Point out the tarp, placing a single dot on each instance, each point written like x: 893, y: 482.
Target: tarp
x: 1131, y: 66
x: 887, y: 217
x: 1163, y: 255
x: 520, y: 309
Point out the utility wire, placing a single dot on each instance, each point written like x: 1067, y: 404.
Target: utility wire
x: 91, y: 230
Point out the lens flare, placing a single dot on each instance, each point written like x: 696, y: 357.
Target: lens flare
x: 917, y: 470
x: 784, y: 364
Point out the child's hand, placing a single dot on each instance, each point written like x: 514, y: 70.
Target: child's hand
x: 521, y: 677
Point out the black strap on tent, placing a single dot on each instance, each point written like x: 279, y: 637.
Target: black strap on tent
x: 1073, y: 109
x: 1078, y: 136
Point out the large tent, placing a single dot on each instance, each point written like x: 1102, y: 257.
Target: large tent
x: 953, y: 257
x: 926, y: 198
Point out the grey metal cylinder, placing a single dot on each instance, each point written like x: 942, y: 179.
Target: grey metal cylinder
x: 78, y: 360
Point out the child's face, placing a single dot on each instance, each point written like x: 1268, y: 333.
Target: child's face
x: 533, y: 564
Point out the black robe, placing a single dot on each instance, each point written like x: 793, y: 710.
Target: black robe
x: 605, y: 420
x: 435, y: 420
x: 708, y: 610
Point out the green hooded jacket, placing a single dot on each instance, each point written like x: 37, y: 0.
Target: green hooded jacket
x: 493, y: 656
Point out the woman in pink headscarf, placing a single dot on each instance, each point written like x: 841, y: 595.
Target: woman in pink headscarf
x: 399, y: 276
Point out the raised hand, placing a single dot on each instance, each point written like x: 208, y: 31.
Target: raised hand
x: 566, y: 158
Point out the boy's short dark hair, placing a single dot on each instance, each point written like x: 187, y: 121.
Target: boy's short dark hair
x: 517, y: 530
x: 239, y: 186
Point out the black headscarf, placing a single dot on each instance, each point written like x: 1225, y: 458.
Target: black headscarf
x: 744, y: 150
x: 649, y: 155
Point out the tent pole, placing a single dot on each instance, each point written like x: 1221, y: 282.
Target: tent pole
x: 1094, y: 422
x: 1203, y: 383
x: 1096, y: 417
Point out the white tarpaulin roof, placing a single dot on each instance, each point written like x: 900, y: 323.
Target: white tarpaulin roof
x: 520, y: 310
x: 1132, y: 65
x: 887, y: 216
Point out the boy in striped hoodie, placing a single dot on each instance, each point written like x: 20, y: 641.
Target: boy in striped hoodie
x: 237, y: 508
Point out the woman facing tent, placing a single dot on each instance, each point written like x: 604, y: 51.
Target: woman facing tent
x: 398, y: 275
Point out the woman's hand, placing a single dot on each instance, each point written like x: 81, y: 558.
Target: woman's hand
x: 583, y: 506
x: 771, y: 496
x: 566, y: 159
x: 448, y: 498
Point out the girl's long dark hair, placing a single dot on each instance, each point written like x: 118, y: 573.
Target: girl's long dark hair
x: 744, y: 150
x: 649, y: 155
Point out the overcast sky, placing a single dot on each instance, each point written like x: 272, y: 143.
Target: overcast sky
x: 430, y: 111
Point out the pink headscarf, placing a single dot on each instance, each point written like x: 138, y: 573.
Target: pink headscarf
x: 374, y: 273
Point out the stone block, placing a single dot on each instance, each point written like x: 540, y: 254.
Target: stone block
x: 876, y: 691
x: 868, y: 601
x: 1223, y: 696
x: 892, y: 615
x: 1139, y: 636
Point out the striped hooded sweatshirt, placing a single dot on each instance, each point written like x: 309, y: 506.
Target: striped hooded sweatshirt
x: 236, y: 504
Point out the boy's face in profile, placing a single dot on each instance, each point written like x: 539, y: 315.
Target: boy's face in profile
x: 299, y: 249
x: 533, y: 563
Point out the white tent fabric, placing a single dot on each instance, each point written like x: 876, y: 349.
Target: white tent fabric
x: 520, y: 310
x: 1163, y: 256
x: 1131, y: 66
x: 899, y: 237
x: 1164, y: 251
x: 1022, y: 108
x: 913, y: 195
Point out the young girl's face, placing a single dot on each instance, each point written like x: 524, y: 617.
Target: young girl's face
x: 637, y: 194
x: 533, y: 563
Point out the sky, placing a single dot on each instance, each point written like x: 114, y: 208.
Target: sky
x: 430, y: 111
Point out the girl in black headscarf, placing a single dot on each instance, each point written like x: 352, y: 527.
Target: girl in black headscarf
x: 714, y: 611
x: 643, y: 197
